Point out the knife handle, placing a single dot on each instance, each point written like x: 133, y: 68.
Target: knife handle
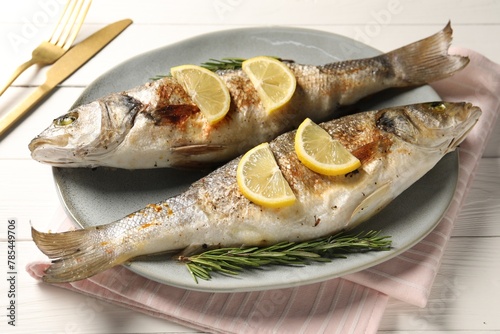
x: 19, y: 111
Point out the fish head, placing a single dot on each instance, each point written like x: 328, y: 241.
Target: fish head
x: 435, y: 125
x: 80, y: 137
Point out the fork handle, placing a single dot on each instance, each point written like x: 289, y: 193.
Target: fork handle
x: 16, y: 73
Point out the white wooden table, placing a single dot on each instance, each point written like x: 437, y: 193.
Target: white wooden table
x: 466, y: 293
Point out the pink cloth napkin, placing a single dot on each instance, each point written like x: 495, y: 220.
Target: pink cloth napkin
x: 351, y: 304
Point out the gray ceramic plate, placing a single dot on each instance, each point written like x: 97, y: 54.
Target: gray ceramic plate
x: 100, y: 196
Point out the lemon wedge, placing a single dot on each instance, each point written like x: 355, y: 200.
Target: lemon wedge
x: 260, y: 179
x: 274, y: 81
x: 318, y: 151
x: 206, y: 89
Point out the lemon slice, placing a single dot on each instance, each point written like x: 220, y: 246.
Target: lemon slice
x: 318, y: 151
x: 272, y: 79
x: 206, y: 89
x: 260, y: 179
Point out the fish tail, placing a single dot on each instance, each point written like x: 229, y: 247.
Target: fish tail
x: 75, y: 255
x: 427, y: 60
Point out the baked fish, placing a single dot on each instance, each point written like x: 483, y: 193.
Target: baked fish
x: 396, y: 147
x: 158, y: 125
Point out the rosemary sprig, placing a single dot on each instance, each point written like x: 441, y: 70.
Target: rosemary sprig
x: 216, y: 65
x: 232, y: 261
x: 223, y: 64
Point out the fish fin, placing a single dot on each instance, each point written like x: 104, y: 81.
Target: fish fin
x: 197, y: 149
x: 371, y: 205
x: 192, y: 156
x: 427, y: 60
x: 75, y: 255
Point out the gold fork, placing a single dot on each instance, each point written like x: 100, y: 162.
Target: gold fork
x: 62, y: 38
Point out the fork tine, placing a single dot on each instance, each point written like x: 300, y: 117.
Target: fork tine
x: 63, y: 20
x: 77, y: 24
x: 70, y: 23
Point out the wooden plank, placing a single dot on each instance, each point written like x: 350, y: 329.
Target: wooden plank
x: 265, y: 12
x: 29, y: 196
x: 465, y: 295
x: 481, y: 211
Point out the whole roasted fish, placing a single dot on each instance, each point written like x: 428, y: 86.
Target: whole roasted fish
x: 158, y: 125
x: 396, y: 146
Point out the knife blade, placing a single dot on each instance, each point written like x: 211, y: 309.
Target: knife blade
x: 71, y: 61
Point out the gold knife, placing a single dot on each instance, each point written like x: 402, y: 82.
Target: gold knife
x: 64, y: 67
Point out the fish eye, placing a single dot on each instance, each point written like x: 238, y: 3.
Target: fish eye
x: 66, y: 119
x: 438, y: 106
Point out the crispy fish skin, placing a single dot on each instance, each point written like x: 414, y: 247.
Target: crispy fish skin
x: 396, y: 147
x: 158, y: 125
